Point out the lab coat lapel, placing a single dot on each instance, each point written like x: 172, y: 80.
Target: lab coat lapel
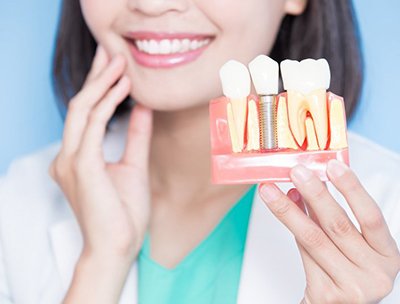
x: 272, y: 269
x: 67, y: 244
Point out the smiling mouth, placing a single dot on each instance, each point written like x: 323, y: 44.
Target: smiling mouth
x: 165, y: 50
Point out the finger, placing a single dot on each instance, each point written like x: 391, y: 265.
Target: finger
x: 100, y: 61
x: 139, y: 137
x: 314, y: 273
x: 332, y: 217
x: 81, y: 105
x: 367, y: 212
x: 94, y: 134
x: 310, y: 236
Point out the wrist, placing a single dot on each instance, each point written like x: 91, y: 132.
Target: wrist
x: 98, y: 278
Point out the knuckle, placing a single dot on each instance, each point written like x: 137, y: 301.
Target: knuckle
x: 340, y: 226
x: 375, y: 220
x: 320, y: 192
x: 313, y: 238
x: 59, y: 169
x: 281, y: 208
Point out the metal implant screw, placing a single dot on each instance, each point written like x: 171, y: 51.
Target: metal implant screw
x: 268, y: 122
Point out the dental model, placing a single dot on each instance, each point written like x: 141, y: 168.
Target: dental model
x: 260, y: 138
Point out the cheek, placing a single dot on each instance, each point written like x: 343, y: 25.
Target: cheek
x: 248, y: 27
x: 99, y: 16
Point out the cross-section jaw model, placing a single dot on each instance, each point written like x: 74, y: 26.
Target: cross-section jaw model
x: 260, y: 138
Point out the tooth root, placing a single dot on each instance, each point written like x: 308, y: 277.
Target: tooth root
x: 232, y: 129
x: 337, y: 125
x: 297, y: 114
x: 312, y: 143
x: 319, y: 111
x: 253, y: 127
x: 285, y: 137
x: 239, y: 107
x: 316, y: 104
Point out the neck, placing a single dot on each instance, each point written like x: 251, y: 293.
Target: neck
x: 180, y: 150
x: 180, y: 158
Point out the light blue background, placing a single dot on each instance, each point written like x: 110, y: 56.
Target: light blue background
x: 29, y: 118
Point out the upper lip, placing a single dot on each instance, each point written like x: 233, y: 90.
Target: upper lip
x: 149, y: 35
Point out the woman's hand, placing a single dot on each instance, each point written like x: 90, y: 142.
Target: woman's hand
x: 341, y: 264
x: 110, y: 200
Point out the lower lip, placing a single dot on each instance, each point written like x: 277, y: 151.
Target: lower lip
x: 165, y: 61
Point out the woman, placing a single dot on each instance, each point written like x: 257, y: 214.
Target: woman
x: 136, y: 218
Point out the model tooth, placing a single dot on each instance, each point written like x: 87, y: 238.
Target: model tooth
x: 232, y: 130
x: 306, y: 83
x: 337, y: 121
x: 253, y: 127
x: 235, y: 79
x: 305, y: 76
x: 265, y: 74
x: 312, y: 143
x: 285, y: 137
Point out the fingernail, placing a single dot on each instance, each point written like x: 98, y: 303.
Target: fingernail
x: 270, y: 192
x: 301, y: 174
x: 336, y: 168
x: 294, y: 195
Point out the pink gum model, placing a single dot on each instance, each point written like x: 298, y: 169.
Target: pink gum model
x: 256, y: 167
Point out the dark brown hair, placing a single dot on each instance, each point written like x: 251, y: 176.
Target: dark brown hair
x: 327, y: 28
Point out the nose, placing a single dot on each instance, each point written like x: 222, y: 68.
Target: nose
x: 157, y: 7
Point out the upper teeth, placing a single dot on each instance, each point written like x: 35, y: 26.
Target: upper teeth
x: 167, y: 46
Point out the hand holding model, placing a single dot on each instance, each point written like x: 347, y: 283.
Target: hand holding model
x: 300, y: 136
x: 111, y: 201
x: 341, y: 263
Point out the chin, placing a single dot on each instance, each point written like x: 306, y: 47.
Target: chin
x: 160, y: 101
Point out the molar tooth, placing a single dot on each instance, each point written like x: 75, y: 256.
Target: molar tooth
x: 306, y: 83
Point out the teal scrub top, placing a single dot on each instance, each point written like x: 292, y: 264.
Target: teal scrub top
x: 208, y: 274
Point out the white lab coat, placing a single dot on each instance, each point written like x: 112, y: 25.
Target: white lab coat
x: 40, y: 240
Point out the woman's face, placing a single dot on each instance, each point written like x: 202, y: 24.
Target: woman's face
x: 145, y: 31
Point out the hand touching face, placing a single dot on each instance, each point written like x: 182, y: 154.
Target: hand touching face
x: 234, y: 30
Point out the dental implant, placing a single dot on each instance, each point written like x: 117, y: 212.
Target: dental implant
x: 265, y: 74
